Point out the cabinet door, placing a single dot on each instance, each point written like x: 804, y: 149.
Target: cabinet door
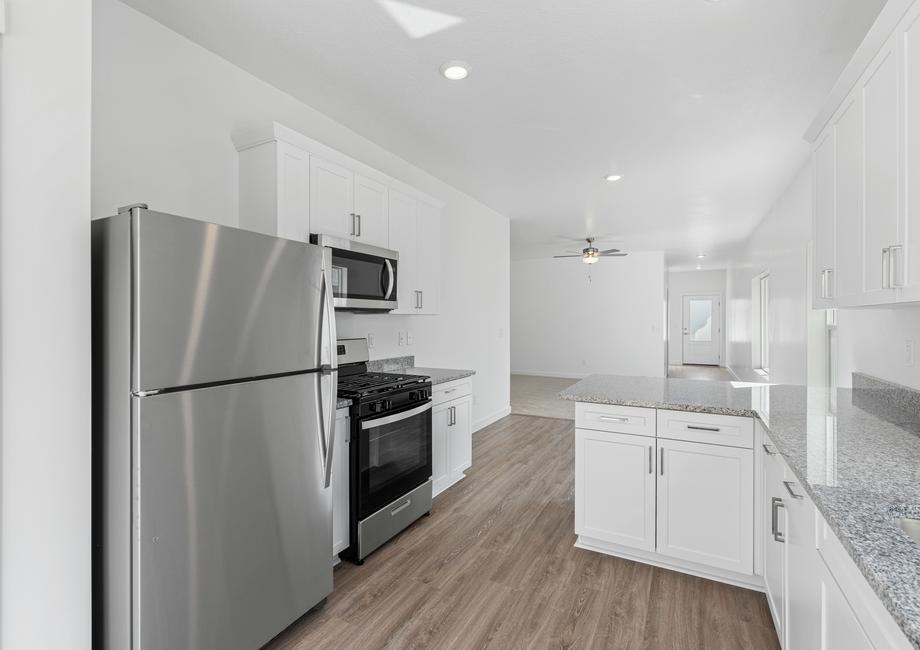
x: 371, y: 209
x: 706, y: 504
x: 881, y: 215
x: 802, y: 559
x: 331, y: 198
x: 429, y: 258
x: 404, y: 240
x: 910, y: 40
x: 839, y: 625
x: 615, y: 488
x: 848, y: 200
x: 293, y: 192
x: 340, y: 483
x: 460, y: 437
x: 440, y: 467
x: 824, y: 236
x: 775, y: 526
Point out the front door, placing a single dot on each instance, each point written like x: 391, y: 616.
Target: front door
x: 702, y: 330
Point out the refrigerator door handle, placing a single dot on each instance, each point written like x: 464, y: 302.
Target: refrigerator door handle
x: 328, y: 370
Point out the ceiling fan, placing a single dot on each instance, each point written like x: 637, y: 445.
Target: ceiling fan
x: 590, y: 255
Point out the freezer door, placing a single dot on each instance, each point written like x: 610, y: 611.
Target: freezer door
x: 233, y: 532
x: 213, y: 303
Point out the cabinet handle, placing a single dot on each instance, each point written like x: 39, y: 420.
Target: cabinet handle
x: 788, y: 485
x: 352, y: 214
x: 448, y: 392
x: 453, y: 415
x: 421, y: 299
x: 829, y: 274
x: 777, y: 503
x: 610, y: 418
x: 418, y: 301
x: 661, y: 462
x: 358, y: 217
x: 651, y: 459
x: 895, y: 266
x: 886, y: 268
x: 823, y: 284
x: 695, y: 427
x: 766, y: 448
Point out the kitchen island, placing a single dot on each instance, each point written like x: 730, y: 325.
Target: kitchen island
x: 847, y: 461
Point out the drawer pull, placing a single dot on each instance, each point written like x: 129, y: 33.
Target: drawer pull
x: 766, y: 448
x: 448, y: 392
x: 400, y: 508
x: 662, y: 461
x: 651, y: 461
x: 788, y: 485
x: 610, y: 418
x: 695, y: 427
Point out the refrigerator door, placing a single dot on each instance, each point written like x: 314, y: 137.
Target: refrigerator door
x: 214, y: 304
x: 233, y: 531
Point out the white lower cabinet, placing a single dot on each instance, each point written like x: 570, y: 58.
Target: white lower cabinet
x: 706, y: 504
x: 340, y: 482
x: 838, y: 626
x: 451, y: 433
x: 775, y: 528
x: 615, y: 488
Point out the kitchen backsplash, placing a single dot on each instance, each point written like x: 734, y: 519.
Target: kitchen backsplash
x: 392, y: 364
x: 869, y: 391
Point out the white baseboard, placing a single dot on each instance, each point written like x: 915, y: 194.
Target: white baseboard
x: 753, y: 582
x: 561, y: 375
x: 489, y: 419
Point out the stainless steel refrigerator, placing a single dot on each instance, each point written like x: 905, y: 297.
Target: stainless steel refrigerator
x: 214, y: 388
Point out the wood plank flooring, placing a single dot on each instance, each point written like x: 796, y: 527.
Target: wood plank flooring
x: 495, y: 566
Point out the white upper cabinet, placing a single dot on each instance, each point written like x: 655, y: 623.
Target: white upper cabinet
x: 824, y: 169
x: 873, y: 121
x: 415, y: 233
x: 332, y: 197
x: 371, y: 210
x: 292, y: 186
x: 882, y: 147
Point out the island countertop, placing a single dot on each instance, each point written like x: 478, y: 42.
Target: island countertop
x: 855, y: 451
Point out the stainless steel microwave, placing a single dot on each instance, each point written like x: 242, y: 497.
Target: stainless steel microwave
x: 363, y: 277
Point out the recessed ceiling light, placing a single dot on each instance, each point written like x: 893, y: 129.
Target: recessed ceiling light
x: 701, y: 256
x: 455, y: 70
x: 613, y: 177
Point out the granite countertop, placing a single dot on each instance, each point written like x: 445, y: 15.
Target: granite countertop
x: 440, y: 375
x: 855, y: 451
x: 342, y: 402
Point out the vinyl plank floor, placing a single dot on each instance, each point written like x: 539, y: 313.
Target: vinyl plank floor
x: 495, y: 566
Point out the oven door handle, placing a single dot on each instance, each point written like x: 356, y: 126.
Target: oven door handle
x: 396, y: 417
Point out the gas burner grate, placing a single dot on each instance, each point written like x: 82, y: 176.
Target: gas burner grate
x: 374, y: 381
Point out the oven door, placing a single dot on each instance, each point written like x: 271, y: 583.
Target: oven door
x: 363, y: 277
x: 394, y: 457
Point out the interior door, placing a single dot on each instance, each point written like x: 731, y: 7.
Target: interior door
x: 331, y: 199
x: 702, y: 329
x: 615, y: 488
x: 234, y: 526
x: 706, y: 504
x: 371, y: 208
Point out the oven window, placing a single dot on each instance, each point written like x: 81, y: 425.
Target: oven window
x: 395, y: 458
x: 356, y: 275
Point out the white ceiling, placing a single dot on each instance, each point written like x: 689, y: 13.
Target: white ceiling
x: 700, y: 105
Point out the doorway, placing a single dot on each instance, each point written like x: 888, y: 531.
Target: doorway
x: 702, y: 330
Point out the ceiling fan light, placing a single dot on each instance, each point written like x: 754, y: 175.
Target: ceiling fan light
x: 589, y: 259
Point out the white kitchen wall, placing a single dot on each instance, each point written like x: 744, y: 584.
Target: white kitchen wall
x: 682, y: 283
x: 779, y: 245
x: 45, y: 542
x: 564, y: 325
x: 873, y: 341
x: 163, y: 111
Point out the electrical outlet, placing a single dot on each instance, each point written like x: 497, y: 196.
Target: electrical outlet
x: 370, y: 341
x: 410, y: 338
x: 402, y: 338
x: 908, y: 352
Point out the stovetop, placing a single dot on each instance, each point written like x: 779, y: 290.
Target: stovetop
x: 375, y: 383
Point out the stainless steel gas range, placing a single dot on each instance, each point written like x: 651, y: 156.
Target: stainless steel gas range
x: 390, y: 450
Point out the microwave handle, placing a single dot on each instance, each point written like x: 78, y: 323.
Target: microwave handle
x: 391, y: 279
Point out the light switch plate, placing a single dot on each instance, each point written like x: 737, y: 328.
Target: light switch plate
x: 402, y: 338
x: 410, y: 338
x: 370, y: 341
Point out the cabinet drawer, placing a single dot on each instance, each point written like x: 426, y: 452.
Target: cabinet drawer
x: 451, y: 390
x: 726, y: 430
x: 618, y: 419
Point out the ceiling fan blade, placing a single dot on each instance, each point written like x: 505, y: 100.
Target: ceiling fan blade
x: 556, y: 256
x: 610, y: 250
x: 613, y: 254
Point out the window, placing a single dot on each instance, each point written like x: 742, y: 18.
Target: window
x: 760, y: 324
x: 765, y: 323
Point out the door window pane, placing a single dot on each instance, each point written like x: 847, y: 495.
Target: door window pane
x: 701, y: 320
